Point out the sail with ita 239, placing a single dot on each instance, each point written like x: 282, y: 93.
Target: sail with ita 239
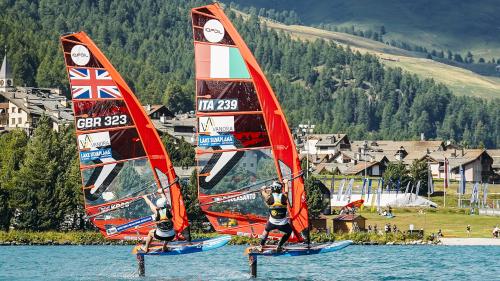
x: 243, y: 140
x: 121, y: 155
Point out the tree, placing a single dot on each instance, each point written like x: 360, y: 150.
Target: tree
x: 12, y: 145
x: 419, y: 172
x: 315, y: 201
x: 33, y: 192
x: 382, y: 30
x: 397, y: 172
x: 178, y: 99
x: 190, y: 196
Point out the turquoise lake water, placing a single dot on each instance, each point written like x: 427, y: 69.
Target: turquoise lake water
x: 228, y: 263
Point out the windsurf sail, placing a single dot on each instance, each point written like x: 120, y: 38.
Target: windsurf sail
x: 121, y: 155
x: 243, y: 140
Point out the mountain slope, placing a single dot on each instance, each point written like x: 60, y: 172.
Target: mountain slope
x: 436, y: 24
x: 459, y: 80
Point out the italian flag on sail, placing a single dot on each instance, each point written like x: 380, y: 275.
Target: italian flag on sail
x: 213, y: 61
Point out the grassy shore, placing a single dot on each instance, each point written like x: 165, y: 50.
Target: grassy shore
x: 16, y: 237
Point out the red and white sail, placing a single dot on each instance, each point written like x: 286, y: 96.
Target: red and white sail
x: 121, y: 155
x: 243, y: 138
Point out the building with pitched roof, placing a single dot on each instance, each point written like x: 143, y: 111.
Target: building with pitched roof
x: 22, y: 107
x: 326, y: 144
x: 495, y: 155
x: 477, y: 164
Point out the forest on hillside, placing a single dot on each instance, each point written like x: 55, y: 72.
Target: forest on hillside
x: 150, y: 43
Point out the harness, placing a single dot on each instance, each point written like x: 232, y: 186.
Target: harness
x: 165, y: 223
x: 278, y: 209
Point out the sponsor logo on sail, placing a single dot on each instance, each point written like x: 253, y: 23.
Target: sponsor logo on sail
x: 244, y: 197
x: 114, y: 206
x: 80, y: 55
x: 218, y: 124
x: 217, y: 104
x: 213, y: 31
x: 95, y: 154
x: 88, y: 141
x: 208, y: 141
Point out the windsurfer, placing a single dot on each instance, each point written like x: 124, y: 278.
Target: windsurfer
x: 165, y: 228
x: 277, y: 201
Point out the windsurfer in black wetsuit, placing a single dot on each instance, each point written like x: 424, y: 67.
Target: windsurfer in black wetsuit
x: 277, y: 201
x: 165, y: 228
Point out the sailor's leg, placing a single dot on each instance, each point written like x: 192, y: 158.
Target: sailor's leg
x: 264, y: 238
x: 165, y: 243
x: 164, y: 248
x: 287, y: 229
x: 265, y: 234
x: 148, y: 240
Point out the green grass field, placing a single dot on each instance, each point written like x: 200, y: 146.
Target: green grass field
x: 451, y: 224
x: 450, y: 219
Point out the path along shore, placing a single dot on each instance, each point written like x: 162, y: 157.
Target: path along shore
x: 470, y: 241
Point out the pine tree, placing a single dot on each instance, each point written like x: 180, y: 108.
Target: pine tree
x: 34, y: 184
x: 315, y: 203
x: 12, y: 145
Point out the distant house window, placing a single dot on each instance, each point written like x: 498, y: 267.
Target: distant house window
x: 18, y: 110
x: 251, y: 165
x: 244, y: 165
x: 13, y: 121
x: 13, y: 110
x: 19, y: 120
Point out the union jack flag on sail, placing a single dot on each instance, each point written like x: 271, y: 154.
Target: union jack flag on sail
x: 88, y: 83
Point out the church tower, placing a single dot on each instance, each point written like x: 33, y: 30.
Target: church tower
x: 6, y: 80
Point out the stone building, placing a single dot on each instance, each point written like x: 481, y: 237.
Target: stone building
x: 22, y: 107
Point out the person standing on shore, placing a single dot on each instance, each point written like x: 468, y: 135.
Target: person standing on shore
x: 496, y: 232
x: 468, y: 230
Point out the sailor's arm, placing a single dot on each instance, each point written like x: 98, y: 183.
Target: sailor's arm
x: 286, y: 183
x: 264, y: 190
x: 150, y: 204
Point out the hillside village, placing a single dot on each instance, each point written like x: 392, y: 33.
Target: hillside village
x: 335, y: 154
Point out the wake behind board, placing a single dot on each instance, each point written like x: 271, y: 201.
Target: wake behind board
x: 183, y: 247
x: 300, y: 249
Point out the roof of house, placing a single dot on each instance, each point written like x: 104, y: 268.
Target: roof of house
x: 332, y: 167
x: 347, y: 217
x: 38, y: 101
x: 150, y: 109
x: 409, y: 146
x: 184, y: 172
x: 329, y: 139
x: 469, y: 156
x: 316, y: 158
x: 495, y: 154
x: 360, y: 167
x: 418, y: 155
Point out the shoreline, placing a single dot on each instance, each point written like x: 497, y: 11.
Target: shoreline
x: 87, y: 238
x: 470, y: 241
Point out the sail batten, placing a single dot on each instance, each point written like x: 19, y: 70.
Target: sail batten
x: 247, y: 142
x: 121, y: 155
